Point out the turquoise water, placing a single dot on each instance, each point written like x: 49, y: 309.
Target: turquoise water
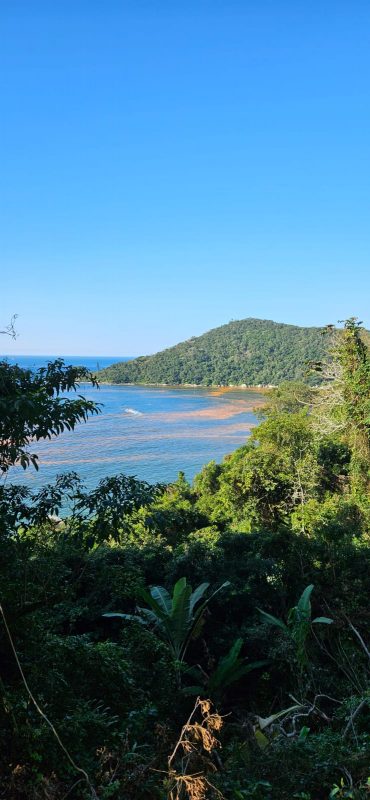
x: 148, y: 432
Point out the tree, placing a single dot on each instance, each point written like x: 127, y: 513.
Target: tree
x: 287, y: 398
x: 353, y: 357
x: 33, y: 406
x: 343, y: 405
x: 176, y: 618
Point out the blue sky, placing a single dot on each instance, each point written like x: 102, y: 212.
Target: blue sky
x: 169, y: 166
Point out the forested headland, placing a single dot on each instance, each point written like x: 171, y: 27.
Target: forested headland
x: 249, y: 351
x: 185, y: 642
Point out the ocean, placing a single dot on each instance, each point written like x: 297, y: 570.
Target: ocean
x: 93, y: 363
x: 149, y: 432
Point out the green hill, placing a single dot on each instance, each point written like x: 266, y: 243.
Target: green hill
x: 249, y: 351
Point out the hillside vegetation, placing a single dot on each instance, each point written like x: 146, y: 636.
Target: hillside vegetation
x: 248, y: 351
x: 191, y: 642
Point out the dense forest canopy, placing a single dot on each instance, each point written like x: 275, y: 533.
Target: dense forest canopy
x: 194, y: 642
x: 248, y: 351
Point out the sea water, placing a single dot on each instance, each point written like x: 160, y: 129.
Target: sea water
x: 149, y: 432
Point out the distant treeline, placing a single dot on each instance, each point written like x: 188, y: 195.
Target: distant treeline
x: 250, y: 351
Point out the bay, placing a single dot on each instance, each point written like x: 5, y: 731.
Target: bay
x: 149, y: 432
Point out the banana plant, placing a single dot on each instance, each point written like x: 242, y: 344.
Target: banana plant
x: 230, y: 669
x: 177, y: 619
x: 298, y: 623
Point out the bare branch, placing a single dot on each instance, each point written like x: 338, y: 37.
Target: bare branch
x: 360, y: 639
x: 353, y: 716
x: 10, y: 329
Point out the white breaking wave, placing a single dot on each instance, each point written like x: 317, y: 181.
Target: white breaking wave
x: 133, y: 411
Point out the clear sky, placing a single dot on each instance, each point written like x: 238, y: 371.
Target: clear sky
x: 172, y: 164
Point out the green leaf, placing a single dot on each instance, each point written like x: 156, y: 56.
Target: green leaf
x: 152, y: 602
x: 197, y: 595
x: 193, y: 690
x: 181, y: 621
x: 147, y: 615
x: 261, y: 739
x: 264, y: 722
x: 132, y: 617
x: 178, y: 590
x: 273, y: 620
x: 304, y: 603
x: 162, y: 597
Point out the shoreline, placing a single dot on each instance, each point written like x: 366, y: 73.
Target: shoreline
x: 259, y: 389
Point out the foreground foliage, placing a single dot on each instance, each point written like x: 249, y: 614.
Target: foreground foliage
x: 113, y: 643
x: 34, y: 406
